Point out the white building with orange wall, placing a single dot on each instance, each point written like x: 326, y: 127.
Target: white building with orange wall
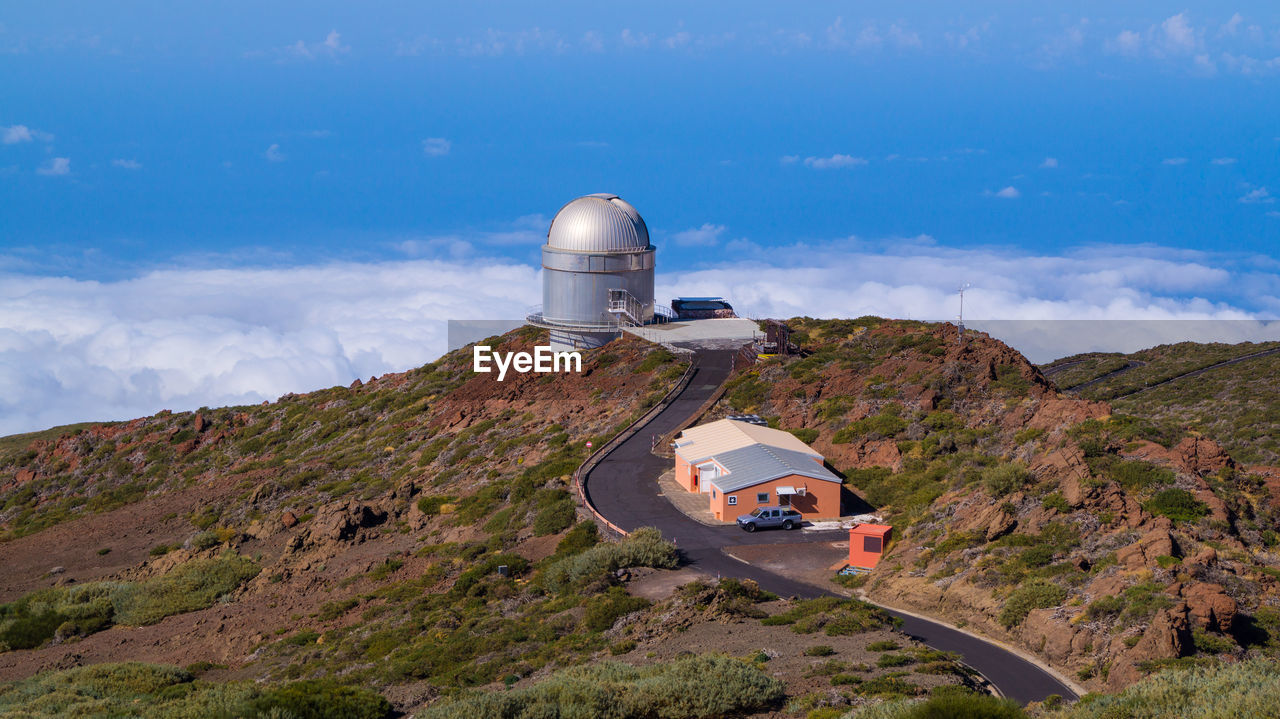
x: 741, y: 466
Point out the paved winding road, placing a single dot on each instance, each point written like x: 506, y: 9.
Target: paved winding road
x: 623, y: 487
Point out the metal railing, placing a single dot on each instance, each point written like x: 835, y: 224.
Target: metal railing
x: 553, y: 323
x: 627, y: 432
x: 626, y: 308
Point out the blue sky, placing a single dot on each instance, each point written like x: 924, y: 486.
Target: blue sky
x: 687, y: 112
x: 1090, y: 161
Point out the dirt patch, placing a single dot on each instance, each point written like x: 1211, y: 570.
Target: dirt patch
x: 656, y: 584
x: 809, y: 562
x: 128, y: 532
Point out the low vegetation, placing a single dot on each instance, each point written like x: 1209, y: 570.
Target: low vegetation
x: 82, y: 609
x: 119, y: 690
x: 690, y: 688
x: 1237, y: 405
x: 1245, y: 689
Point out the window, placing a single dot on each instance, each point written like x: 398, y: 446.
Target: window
x: 871, y: 544
x: 762, y: 498
x: 733, y: 499
x: 713, y: 493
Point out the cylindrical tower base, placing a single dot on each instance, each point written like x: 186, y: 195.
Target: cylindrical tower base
x: 562, y: 341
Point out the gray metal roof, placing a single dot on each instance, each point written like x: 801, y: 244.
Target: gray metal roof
x: 598, y: 223
x: 757, y: 463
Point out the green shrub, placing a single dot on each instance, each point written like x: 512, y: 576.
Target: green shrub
x: 833, y: 615
x: 554, y: 518
x: 746, y: 392
x: 1135, y: 475
x: 1056, y: 501
x: 1206, y: 643
x: 188, y: 587
x: 91, y: 607
x: 887, y: 423
x: 323, y: 699
x: 1005, y: 479
x: 205, y: 540
x: 603, y: 610
x: 1245, y: 689
x: 946, y: 705
x: 885, y: 661
x: 582, y: 537
x: 430, y: 504
x: 690, y: 688
x: 1010, y: 381
x: 645, y: 547
x: 1037, y: 556
x: 884, y: 645
x: 1036, y: 594
x: 1177, y: 504
x: 1101, y: 607
x: 807, y: 435
x: 388, y: 567
x: 819, y: 650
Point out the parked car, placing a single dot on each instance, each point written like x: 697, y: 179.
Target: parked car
x: 765, y: 517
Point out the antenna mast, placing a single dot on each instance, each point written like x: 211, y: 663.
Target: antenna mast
x: 960, y: 317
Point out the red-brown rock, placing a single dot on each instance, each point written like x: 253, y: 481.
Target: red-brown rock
x: 1167, y: 637
x: 1210, y: 606
x: 1143, y: 553
x: 1201, y: 456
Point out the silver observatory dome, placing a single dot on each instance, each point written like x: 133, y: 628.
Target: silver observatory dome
x: 597, y: 272
x: 598, y: 223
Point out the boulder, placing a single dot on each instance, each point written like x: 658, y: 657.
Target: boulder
x: 342, y: 522
x: 288, y: 519
x: 1201, y: 456
x: 1210, y: 606
x: 1142, y: 553
x: 1001, y: 524
x: 199, y: 423
x: 1167, y: 637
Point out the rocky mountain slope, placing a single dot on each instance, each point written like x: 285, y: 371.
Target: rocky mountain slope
x: 1104, y: 543
x: 1226, y: 392
x: 389, y: 546
x: 404, y: 542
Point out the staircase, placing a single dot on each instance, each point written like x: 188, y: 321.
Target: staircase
x: 628, y: 310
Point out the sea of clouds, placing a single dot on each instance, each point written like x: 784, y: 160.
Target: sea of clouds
x: 75, y: 350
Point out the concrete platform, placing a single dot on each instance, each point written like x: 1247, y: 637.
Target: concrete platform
x: 694, y: 505
x: 701, y: 334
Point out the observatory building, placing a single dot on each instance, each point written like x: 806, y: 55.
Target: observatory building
x: 597, y: 272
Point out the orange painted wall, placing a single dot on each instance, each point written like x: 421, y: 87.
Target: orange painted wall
x: 822, y: 499
x: 684, y: 474
x: 859, y: 556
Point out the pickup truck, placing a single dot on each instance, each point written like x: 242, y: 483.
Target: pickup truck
x: 764, y: 517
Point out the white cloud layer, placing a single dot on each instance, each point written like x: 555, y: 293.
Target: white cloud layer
x: 15, y: 134
x: 436, y: 146
x: 74, y: 350
x: 56, y: 166
x: 834, y: 162
x: 704, y: 236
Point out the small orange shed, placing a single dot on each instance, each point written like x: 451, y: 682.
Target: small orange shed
x: 866, y: 544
